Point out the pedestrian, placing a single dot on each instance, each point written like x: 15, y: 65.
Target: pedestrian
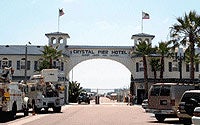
x: 130, y: 99
x: 133, y: 99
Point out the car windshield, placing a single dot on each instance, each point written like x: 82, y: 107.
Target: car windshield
x: 188, y: 96
x: 160, y: 90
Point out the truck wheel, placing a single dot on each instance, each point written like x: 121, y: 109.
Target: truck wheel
x: 160, y: 117
x: 14, y: 111
x: 35, y: 109
x: 26, y: 111
x: 57, y: 109
x: 46, y: 109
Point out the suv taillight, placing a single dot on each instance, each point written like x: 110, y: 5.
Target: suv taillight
x: 196, y: 113
x: 172, y: 102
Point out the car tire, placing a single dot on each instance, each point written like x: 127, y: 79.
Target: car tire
x: 57, y: 109
x: 160, y: 117
x: 190, y: 105
x: 185, y: 121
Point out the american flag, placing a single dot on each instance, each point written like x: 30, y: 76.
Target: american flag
x: 61, y: 12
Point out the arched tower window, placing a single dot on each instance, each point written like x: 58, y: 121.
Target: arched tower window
x: 53, y: 40
x: 60, y: 40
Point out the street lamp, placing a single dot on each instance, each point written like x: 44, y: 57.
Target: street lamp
x: 180, y: 58
x: 25, y: 72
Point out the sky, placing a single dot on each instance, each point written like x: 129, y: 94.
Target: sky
x: 91, y: 22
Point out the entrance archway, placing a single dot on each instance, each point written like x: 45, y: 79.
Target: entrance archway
x: 101, y: 73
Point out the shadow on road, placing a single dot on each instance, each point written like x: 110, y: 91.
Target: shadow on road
x: 168, y: 121
x: 5, y: 118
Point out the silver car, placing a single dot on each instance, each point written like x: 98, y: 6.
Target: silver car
x: 196, y: 116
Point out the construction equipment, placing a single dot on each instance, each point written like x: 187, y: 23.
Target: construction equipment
x: 45, y: 91
x: 12, y: 98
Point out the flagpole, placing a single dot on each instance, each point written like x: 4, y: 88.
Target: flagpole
x: 58, y: 20
x: 142, y: 24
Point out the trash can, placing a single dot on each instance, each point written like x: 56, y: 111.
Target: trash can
x: 96, y: 99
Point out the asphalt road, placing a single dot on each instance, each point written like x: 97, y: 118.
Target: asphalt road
x: 108, y: 112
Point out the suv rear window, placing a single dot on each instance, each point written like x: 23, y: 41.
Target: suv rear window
x: 188, y: 96
x: 160, y: 90
x: 83, y: 94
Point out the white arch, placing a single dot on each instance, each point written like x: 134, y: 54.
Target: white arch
x: 105, y: 72
x: 76, y: 60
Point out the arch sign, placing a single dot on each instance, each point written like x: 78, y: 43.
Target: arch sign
x: 79, y: 54
x: 99, y: 52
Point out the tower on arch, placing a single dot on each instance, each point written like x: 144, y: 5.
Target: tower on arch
x: 57, y: 38
x: 142, y: 37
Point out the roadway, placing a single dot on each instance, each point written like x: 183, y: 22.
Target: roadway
x: 108, y: 112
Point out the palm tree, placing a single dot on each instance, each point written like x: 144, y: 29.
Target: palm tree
x: 49, y: 54
x: 187, y: 56
x: 186, y: 33
x: 74, y: 91
x: 144, y: 48
x: 163, y: 50
x: 155, y: 66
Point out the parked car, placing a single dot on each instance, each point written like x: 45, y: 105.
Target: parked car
x: 145, y: 105
x: 164, y: 98
x: 84, y: 97
x: 196, y: 116
x: 189, y: 101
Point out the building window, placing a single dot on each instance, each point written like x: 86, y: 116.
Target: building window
x: 141, y: 67
x: 187, y: 67
x: 58, y: 64
x: 175, y: 66
x: 170, y: 66
x: 9, y: 63
x: 137, y: 67
x: 28, y: 65
x: 5, y: 63
x: 197, y: 67
x: 62, y: 66
x: 35, y: 65
x: 18, y: 65
x: 21, y: 64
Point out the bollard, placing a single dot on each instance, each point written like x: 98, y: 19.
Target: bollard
x: 96, y: 99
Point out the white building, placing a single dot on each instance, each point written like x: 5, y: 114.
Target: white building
x: 15, y: 56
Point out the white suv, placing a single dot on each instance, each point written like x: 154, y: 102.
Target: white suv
x: 189, y: 101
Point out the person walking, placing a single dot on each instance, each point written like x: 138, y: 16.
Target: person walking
x: 130, y: 99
